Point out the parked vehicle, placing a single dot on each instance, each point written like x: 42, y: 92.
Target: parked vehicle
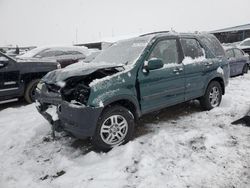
x: 103, y: 99
x: 64, y: 55
x: 19, y: 78
x: 238, y: 61
x: 245, y: 46
x: 92, y: 56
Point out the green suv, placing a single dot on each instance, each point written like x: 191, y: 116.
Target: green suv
x: 103, y: 99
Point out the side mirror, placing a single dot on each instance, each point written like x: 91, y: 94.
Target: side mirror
x: 3, y: 61
x: 153, y: 64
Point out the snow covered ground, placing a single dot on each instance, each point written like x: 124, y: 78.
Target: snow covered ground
x: 181, y: 146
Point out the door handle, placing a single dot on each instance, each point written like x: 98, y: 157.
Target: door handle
x: 208, y: 63
x: 175, y: 70
x: 181, y: 69
x: 178, y: 70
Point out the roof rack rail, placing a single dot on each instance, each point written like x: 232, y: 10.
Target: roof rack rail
x: 157, y: 32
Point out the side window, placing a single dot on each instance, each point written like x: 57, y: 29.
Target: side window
x: 50, y: 53
x: 165, y: 50
x: 76, y: 53
x: 72, y: 53
x: 191, y: 48
x: 238, y: 53
x: 59, y: 53
x: 46, y: 53
x: 229, y: 54
x: 213, y: 44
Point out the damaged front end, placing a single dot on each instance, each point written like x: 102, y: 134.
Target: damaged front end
x: 62, y: 99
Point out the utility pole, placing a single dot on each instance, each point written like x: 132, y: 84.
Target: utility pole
x: 76, y: 35
x: 100, y: 36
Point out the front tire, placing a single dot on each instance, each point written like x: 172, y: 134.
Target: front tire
x: 29, y: 94
x: 115, y: 127
x: 212, y: 97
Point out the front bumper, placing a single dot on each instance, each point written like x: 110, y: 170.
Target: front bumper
x: 79, y: 120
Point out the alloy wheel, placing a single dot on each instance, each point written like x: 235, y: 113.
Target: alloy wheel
x: 114, y: 129
x: 214, y: 96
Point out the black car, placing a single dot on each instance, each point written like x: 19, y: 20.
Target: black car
x: 19, y: 78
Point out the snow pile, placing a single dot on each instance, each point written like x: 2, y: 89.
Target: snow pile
x: 81, y: 65
x: 220, y: 70
x: 190, y: 60
x: 52, y: 110
x: 170, y: 65
x: 178, y: 147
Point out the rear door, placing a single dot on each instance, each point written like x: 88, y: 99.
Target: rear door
x: 194, y: 66
x: 240, y: 61
x: 162, y: 87
x: 9, y: 77
x: 232, y: 61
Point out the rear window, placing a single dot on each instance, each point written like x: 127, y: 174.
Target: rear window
x: 213, y: 44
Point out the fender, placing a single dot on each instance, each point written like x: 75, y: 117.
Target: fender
x: 215, y: 77
x: 129, y: 98
x: 118, y: 95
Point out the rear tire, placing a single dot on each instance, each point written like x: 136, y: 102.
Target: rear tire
x: 29, y: 94
x: 114, y: 127
x: 212, y: 97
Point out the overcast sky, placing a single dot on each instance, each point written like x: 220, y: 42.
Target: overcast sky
x: 47, y: 22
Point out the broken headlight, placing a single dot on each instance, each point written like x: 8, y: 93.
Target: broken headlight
x: 79, y: 93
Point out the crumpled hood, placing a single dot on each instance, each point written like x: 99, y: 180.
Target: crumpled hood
x: 77, y: 69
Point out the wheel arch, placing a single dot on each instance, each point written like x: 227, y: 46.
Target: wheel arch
x: 220, y: 81
x: 128, y: 102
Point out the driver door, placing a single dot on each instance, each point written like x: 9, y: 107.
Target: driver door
x: 162, y: 87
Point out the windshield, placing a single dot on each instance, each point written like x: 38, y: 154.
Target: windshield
x: 123, y: 52
x: 245, y: 43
